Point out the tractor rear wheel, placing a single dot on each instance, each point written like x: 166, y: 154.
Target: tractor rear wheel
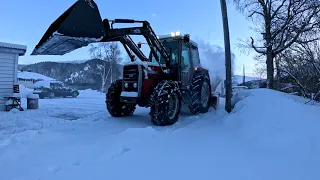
x: 165, y: 103
x: 114, y: 106
x: 200, y: 94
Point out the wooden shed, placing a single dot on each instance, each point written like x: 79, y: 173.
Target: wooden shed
x: 9, y: 56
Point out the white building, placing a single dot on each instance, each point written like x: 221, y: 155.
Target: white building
x: 28, y: 79
x: 9, y: 56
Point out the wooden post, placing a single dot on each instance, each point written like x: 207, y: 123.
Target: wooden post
x: 224, y: 12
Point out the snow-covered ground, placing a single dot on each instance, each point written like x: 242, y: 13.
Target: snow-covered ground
x: 269, y: 135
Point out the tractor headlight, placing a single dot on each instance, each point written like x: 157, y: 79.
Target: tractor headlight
x: 135, y: 85
x: 126, y: 85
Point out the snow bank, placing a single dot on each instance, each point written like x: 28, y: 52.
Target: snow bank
x: 89, y: 93
x: 275, y: 121
x: 24, y: 92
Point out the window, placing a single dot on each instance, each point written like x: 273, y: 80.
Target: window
x: 195, y: 57
x: 173, y: 45
x: 185, y: 58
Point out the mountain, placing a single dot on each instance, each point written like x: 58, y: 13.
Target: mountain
x: 238, y: 78
x: 78, y: 74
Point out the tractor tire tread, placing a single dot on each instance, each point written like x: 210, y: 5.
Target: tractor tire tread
x: 159, y: 103
x: 114, y: 106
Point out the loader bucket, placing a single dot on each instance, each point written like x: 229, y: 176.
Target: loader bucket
x: 77, y: 27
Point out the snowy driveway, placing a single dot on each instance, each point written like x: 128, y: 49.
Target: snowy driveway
x: 69, y: 132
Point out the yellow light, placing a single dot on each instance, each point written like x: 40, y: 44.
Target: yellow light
x: 172, y: 34
x: 178, y: 33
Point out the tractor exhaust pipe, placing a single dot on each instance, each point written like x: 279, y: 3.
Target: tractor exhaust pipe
x: 77, y: 27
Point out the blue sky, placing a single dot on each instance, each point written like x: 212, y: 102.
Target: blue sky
x: 24, y: 22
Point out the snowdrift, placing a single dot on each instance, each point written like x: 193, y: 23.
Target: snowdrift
x: 24, y: 92
x: 275, y: 120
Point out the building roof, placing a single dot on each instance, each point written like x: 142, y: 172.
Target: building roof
x: 22, y: 48
x: 33, y: 75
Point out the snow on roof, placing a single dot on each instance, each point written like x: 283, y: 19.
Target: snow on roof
x: 33, y: 75
x: 45, y: 83
x: 13, y: 46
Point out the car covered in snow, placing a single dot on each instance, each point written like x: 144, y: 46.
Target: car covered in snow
x: 52, y: 89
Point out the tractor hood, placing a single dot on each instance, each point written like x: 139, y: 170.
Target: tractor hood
x: 77, y: 27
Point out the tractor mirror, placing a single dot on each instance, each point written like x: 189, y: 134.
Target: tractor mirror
x: 139, y: 45
x: 186, y: 38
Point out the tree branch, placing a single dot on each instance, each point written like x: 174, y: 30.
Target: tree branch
x: 256, y: 48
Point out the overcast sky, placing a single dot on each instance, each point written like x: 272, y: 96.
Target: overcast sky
x: 24, y: 22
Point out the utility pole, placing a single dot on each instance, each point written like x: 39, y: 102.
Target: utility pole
x: 224, y: 12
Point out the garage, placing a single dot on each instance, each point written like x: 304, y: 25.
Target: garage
x: 9, y: 57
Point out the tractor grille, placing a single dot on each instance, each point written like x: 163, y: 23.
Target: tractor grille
x: 131, y: 77
x: 131, y: 73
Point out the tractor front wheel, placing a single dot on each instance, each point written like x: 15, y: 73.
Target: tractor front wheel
x: 165, y: 103
x: 114, y: 106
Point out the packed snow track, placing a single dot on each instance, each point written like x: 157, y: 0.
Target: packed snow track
x: 76, y: 138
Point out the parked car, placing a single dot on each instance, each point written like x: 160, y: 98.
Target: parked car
x: 52, y: 89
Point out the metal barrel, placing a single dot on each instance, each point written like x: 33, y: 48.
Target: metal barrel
x: 77, y: 27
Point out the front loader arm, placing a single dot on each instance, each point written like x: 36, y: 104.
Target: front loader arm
x: 82, y: 25
x: 122, y: 35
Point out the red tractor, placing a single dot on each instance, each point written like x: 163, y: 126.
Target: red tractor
x: 171, y: 76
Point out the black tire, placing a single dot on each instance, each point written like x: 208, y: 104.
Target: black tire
x: 164, y: 94
x: 114, y: 106
x: 198, y: 83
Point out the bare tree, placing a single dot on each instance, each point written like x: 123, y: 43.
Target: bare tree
x: 301, y: 63
x: 109, y: 56
x: 281, y: 23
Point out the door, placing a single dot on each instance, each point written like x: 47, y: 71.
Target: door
x: 185, y: 64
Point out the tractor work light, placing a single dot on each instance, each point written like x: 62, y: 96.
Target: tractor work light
x: 173, y: 34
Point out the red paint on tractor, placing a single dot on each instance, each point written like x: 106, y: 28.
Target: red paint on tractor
x: 147, y: 86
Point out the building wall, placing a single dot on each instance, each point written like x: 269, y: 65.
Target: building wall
x: 7, y: 75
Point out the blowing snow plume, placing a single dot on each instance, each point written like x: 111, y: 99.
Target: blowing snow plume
x: 213, y: 59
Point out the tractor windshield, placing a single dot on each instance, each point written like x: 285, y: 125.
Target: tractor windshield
x: 171, y: 46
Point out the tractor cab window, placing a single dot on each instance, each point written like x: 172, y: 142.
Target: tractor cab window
x: 185, y: 58
x: 195, y: 57
x: 174, y: 46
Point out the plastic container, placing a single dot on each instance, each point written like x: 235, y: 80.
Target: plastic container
x: 33, y: 101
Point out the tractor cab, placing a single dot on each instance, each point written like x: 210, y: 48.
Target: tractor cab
x: 184, y: 56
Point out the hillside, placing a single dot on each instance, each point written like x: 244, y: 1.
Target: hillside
x: 81, y: 75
